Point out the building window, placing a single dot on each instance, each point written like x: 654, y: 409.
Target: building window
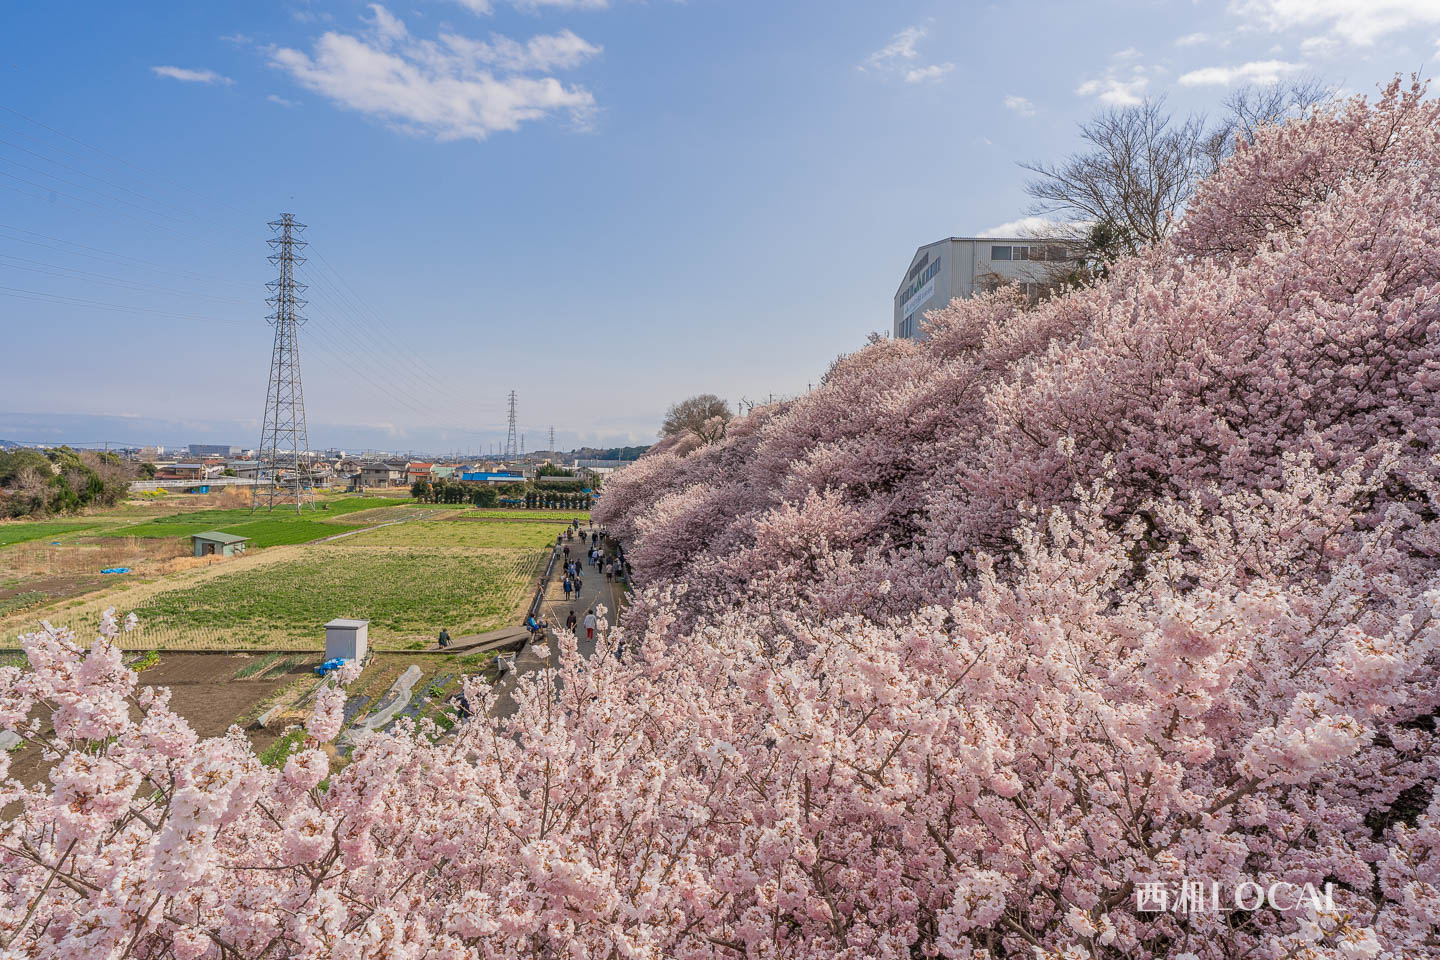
x: 999, y: 253
x: 1020, y: 253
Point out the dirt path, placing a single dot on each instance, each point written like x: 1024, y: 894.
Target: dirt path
x: 351, y: 533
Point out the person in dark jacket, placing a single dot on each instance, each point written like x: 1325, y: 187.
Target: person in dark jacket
x: 444, y: 638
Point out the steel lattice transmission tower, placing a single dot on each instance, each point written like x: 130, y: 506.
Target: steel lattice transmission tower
x: 284, y: 440
x: 552, y: 438
x: 512, y: 447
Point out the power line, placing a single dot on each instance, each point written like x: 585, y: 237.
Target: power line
x: 71, y: 273
x: 43, y: 297
x: 109, y: 156
x: 110, y: 254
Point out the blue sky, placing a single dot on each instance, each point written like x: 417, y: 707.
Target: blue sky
x: 604, y: 205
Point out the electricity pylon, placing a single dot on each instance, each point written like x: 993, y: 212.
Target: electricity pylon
x: 284, y: 440
x: 512, y: 444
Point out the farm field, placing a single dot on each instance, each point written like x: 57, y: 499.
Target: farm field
x: 407, y: 594
x: 44, y: 564
x: 23, y: 531
x: 456, y: 533
x: 408, y: 568
x: 537, y: 516
x: 266, y: 529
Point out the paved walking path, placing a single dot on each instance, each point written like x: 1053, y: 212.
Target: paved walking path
x: 553, y: 610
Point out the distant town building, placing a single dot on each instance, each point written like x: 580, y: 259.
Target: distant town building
x: 382, y: 474
x: 245, y: 468
x: 418, y: 471
x: 960, y: 267
x: 199, y: 450
x: 486, y: 476
x: 184, y: 471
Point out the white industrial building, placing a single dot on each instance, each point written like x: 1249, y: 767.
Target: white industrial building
x: 959, y: 267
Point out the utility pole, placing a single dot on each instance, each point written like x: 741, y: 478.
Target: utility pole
x: 284, y: 440
x: 511, y: 447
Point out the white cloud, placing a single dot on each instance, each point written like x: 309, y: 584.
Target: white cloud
x: 934, y: 72
x: 900, y: 56
x: 1359, y: 22
x: 191, y: 76
x: 900, y: 48
x: 1123, y: 83
x: 238, y: 39
x: 1020, y: 105
x: 559, y: 51
x: 1035, y: 227
x: 483, y: 8
x: 388, y: 28
x: 1192, y: 39
x: 446, y: 90
x: 282, y: 101
x: 534, y: 5
x: 310, y: 16
x: 1258, y: 71
x: 1319, y: 46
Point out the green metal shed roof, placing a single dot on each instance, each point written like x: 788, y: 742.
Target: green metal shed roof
x: 217, y: 537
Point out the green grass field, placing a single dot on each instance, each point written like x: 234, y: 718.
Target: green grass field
x: 477, y: 534
x: 271, y: 533
x: 264, y: 529
x: 22, y: 532
x: 404, y: 594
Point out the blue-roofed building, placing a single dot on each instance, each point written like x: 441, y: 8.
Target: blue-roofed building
x: 502, y: 476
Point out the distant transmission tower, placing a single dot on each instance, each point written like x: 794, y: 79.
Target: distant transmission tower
x: 284, y: 440
x: 512, y: 446
x: 552, y: 438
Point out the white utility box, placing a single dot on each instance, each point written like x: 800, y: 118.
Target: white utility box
x: 346, y: 639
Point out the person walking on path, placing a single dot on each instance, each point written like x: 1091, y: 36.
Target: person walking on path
x: 590, y: 625
x: 567, y: 554
x: 567, y: 589
x: 570, y: 623
x: 444, y: 638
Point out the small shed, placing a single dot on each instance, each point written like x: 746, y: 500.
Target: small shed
x: 214, y: 542
x: 346, y: 639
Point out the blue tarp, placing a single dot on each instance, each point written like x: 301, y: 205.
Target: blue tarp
x: 116, y: 570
